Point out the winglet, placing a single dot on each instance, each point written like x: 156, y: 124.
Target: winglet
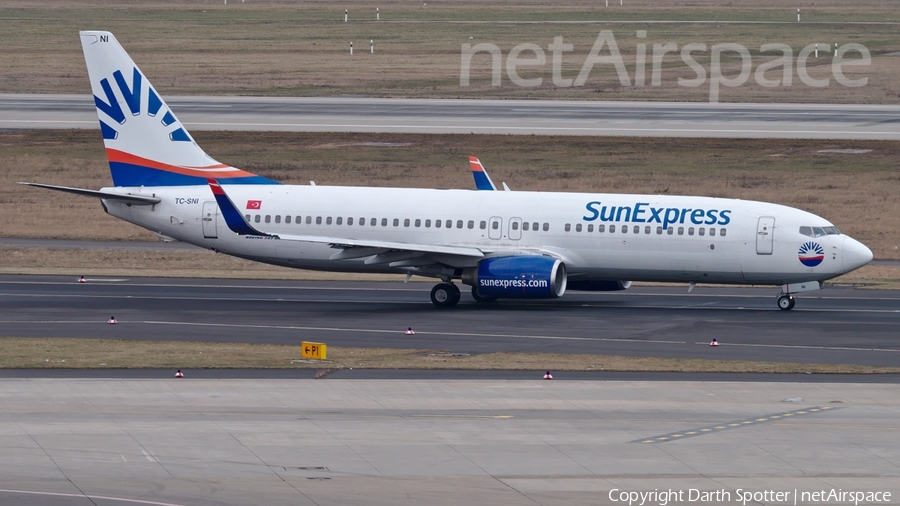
x: 482, y: 180
x: 233, y: 217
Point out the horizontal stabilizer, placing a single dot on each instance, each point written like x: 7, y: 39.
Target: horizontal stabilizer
x: 130, y: 198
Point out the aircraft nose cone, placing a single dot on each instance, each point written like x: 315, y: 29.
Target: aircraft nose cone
x: 855, y: 254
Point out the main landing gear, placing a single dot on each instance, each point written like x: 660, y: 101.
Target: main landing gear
x: 785, y: 302
x: 445, y: 295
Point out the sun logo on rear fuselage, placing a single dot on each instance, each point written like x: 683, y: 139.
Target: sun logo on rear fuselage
x: 811, y: 254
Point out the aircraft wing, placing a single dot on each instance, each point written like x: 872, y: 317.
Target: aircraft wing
x: 239, y: 225
x: 482, y: 179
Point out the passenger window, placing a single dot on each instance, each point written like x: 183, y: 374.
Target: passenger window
x: 449, y: 224
x: 418, y: 222
x: 328, y: 220
x: 525, y: 225
x: 534, y: 226
x: 427, y: 223
x: 568, y: 227
x: 437, y: 223
x: 514, y: 225
x: 658, y: 230
x: 383, y: 222
x: 624, y: 229
x: 268, y: 218
x: 680, y: 230
x: 495, y: 225
x: 670, y: 230
x: 701, y: 231
x: 362, y: 222
x: 459, y: 224
x: 297, y: 221
x: 601, y: 228
x: 247, y: 217
x: 637, y: 229
x: 373, y: 222
x: 318, y: 220
x: 578, y: 227
x: 406, y: 222
x: 590, y: 227
x: 482, y: 225
x: 647, y: 230
x: 349, y: 221
x: 722, y: 232
x: 546, y: 227
x: 396, y: 222
x: 308, y: 220
x: 690, y: 230
x: 712, y: 232
x: 277, y: 218
x: 339, y: 220
x: 287, y: 219
x: 612, y: 228
x: 470, y: 224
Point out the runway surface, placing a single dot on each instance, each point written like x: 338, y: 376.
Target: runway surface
x: 382, y: 442
x: 538, y: 117
x: 837, y: 325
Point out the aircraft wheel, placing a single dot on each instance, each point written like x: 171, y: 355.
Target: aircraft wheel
x: 785, y: 302
x: 480, y: 298
x: 444, y: 295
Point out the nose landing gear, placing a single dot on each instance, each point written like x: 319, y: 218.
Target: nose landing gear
x: 445, y: 295
x: 785, y: 302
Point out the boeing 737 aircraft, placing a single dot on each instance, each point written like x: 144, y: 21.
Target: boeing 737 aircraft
x: 526, y: 245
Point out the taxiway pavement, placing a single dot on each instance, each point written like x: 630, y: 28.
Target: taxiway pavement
x: 526, y: 117
x: 837, y: 325
x: 397, y: 442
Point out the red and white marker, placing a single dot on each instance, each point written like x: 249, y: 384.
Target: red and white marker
x: 547, y: 376
x: 82, y: 280
x: 714, y: 342
x: 112, y: 320
x: 179, y: 374
x: 410, y: 332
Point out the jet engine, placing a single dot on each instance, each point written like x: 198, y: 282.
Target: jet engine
x: 517, y: 277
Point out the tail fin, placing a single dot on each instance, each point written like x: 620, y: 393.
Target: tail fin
x: 482, y: 180
x: 145, y: 143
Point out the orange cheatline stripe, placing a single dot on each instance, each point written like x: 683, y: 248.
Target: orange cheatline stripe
x: 213, y: 171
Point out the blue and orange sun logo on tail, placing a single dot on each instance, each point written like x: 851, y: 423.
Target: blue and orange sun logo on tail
x: 811, y: 254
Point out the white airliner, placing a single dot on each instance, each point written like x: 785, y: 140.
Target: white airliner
x: 503, y: 244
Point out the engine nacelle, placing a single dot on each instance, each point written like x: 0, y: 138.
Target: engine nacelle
x: 518, y: 277
x: 598, y: 285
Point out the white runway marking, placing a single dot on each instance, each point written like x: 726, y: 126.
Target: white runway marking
x: 89, y: 497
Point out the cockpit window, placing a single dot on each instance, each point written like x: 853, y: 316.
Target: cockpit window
x: 819, y: 231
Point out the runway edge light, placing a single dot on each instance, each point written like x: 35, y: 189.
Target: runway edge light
x: 82, y: 280
x: 112, y: 320
x: 714, y: 342
x: 315, y: 351
x: 548, y: 376
x: 179, y: 374
x: 409, y: 332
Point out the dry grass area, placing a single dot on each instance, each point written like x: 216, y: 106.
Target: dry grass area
x: 857, y: 192
x: 103, y: 353
x: 288, y: 47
